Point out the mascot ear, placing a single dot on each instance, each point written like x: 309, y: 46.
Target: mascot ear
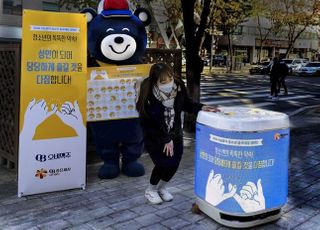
x: 91, y: 14
x: 143, y: 15
x: 100, y: 6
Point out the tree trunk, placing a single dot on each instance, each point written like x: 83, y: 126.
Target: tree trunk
x: 293, y: 39
x: 260, y: 47
x: 194, y: 92
x: 259, y: 54
x: 290, y: 48
x: 194, y: 63
x: 230, y: 52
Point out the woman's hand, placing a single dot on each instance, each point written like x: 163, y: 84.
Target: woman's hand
x: 208, y: 108
x: 168, y: 149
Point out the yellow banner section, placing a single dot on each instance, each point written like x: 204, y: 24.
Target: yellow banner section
x: 112, y: 91
x: 53, y: 74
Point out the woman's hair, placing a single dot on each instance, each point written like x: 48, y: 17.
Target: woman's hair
x: 158, y: 72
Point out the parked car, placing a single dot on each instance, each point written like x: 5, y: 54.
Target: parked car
x: 310, y: 70
x: 206, y: 61
x: 183, y: 61
x: 262, y: 68
x: 294, y: 64
x: 217, y: 60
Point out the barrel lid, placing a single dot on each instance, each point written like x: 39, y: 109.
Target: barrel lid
x: 244, y: 119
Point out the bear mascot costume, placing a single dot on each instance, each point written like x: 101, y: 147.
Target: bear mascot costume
x: 116, y: 36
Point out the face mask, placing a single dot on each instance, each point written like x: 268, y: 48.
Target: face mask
x: 167, y: 88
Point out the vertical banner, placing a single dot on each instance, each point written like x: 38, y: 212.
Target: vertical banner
x: 52, y: 141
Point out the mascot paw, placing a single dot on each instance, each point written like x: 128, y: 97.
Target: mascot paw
x: 133, y: 169
x: 109, y: 171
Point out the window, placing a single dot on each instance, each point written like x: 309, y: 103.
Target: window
x: 13, y: 7
x: 50, y: 6
x: 238, y: 30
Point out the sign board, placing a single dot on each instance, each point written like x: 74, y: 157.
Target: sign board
x: 242, y: 172
x: 112, y: 91
x: 273, y: 43
x: 52, y: 141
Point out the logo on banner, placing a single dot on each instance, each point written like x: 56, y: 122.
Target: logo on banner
x: 42, y: 173
x: 278, y: 136
x: 53, y: 156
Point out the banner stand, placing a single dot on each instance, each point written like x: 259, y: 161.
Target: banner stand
x: 53, y: 132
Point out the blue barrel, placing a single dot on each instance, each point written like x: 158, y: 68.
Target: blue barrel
x: 241, y: 165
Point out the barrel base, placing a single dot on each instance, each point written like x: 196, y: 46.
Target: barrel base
x: 238, y: 221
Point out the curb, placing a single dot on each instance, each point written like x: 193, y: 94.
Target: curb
x: 303, y: 109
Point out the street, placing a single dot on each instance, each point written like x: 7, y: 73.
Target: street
x: 120, y: 203
x: 254, y: 90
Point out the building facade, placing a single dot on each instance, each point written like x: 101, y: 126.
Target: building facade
x: 11, y: 15
x: 246, y: 43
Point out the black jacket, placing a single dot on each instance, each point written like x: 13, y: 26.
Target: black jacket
x: 154, y: 123
x: 156, y: 134
x: 275, y: 70
x: 283, y: 69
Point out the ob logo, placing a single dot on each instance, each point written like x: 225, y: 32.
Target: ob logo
x: 41, y: 158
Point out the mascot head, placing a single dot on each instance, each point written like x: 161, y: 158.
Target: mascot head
x: 115, y: 34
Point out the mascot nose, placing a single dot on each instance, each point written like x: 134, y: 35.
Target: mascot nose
x: 118, y: 40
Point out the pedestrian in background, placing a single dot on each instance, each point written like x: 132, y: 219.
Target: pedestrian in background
x: 161, y: 100
x: 283, y: 73
x: 274, y: 79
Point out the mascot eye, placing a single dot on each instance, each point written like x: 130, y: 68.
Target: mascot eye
x: 110, y: 29
x: 126, y: 29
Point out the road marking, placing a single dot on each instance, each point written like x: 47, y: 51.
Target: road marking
x: 248, y: 101
x: 297, y: 97
x: 253, y: 105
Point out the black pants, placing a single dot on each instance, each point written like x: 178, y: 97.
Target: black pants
x: 282, y: 82
x: 274, y: 87
x: 162, y: 173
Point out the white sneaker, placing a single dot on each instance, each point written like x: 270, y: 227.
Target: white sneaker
x: 275, y: 98
x: 153, y: 196
x: 270, y: 96
x: 165, y: 195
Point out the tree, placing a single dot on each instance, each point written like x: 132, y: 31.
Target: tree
x: 227, y: 15
x: 77, y: 4
x: 194, y: 35
x: 295, y: 16
x: 264, y: 22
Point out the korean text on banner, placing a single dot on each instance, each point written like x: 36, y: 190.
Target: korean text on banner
x: 52, y: 141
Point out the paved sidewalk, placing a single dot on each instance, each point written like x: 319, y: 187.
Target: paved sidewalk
x: 120, y: 204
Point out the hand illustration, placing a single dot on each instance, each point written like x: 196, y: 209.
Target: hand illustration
x: 251, y: 197
x: 36, y: 113
x: 95, y: 73
x: 215, y: 189
x: 70, y: 114
x: 103, y: 74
